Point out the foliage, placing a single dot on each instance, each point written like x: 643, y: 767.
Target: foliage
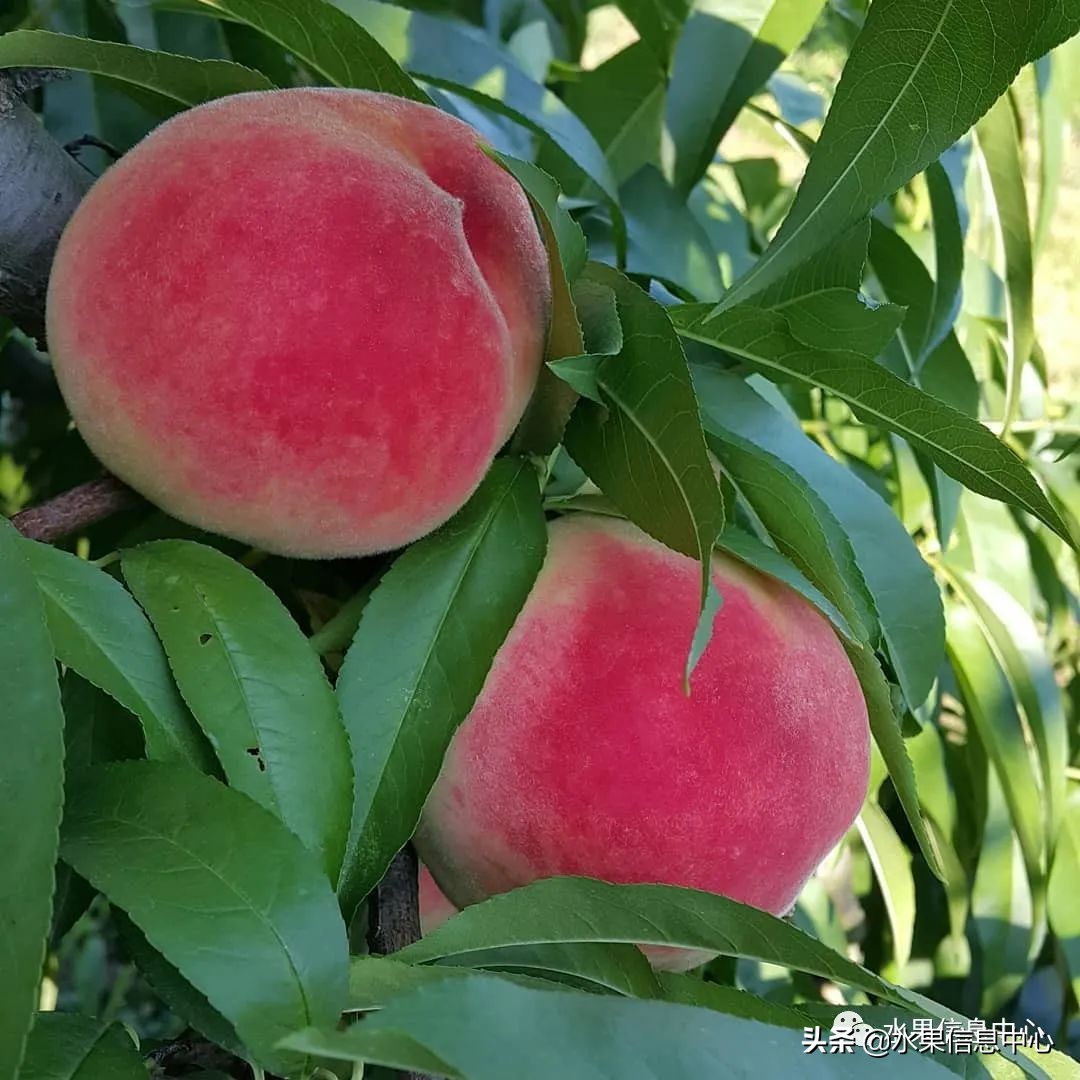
x: 838, y: 381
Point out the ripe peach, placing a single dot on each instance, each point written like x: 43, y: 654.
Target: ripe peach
x: 303, y: 318
x: 582, y: 754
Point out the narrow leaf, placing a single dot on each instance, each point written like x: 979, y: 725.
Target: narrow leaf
x: 98, y: 630
x: 327, y: 40
x: 254, y: 684
x: 948, y: 258
x: 485, y: 1029
x: 998, y: 136
x: 31, y: 793
x: 885, y: 726
x: 1065, y: 887
x: 756, y: 553
x: 992, y: 710
x: 248, y: 917
x: 785, y: 350
x: 541, y: 428
x: 920, y: 74
x: 425, y: 643
x: 580, y: 909
x: 704, y: 96
x: 892, y: 868
x: 644, y: 445
x: 906, y: 602
x: 184, y: 80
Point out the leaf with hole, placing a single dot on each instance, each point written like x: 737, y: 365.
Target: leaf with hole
x: 98, y: 630
x: 254, y: 684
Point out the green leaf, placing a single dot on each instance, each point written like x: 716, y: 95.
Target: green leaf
x: 690, y: 990
x: 374, y: 980
x: 939, y: 370
x: 1002, y: 907
x: 906, y: 599
x: 461, y: 59
x: 1022, y: 653
x: 705, y: 96
x: 568, y: 250
x: 1064, y: 888
x: 99, y: 631
x: 1057, y: 87
x: 644, y: 445
x: 254, y: 684
x: 885, y: 726
x: 486, y: 1029
x: 992, y: 710
x: 187, y: 81
x: 326, y: 40
x: 362, y: 1043
x: 892, y: 868
x: 794, y: 345
x: 425, y: 644
x: 920, y: 74
x: 797, y: 520
x: 622, y: 103
x: 948, y: 259
x: 998, y: 136
x: 31, y: 793
x: 248, y: 917
x: 666, y: 240
x: 69, y: 1046
x: 767, y: 560
x: 580, y: 909
x: 602, y: 967
x: 541, y: 428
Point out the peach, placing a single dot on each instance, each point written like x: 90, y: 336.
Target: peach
x: 304, y: 318
x: 582, y: 754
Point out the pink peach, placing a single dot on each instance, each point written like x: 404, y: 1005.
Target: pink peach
x: 304, y: 318
x: 583, y: 755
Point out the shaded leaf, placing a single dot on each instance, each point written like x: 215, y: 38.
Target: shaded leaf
x: 425, y: 643
x: 181, y: 997
x: 249, y: 918
x: 69, y: 1046
x: 374, y: 980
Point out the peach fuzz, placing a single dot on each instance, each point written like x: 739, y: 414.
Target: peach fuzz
x: 582, y: 754
x: 305, y: 318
